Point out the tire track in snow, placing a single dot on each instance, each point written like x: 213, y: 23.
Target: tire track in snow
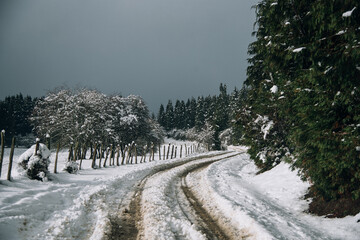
x: 126, y: 222
x: 208, y: 223
x: 169, y: 213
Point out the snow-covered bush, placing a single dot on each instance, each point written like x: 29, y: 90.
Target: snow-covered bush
x: 226, y: 138
x: 35, y: 165
x: 191, y: 134
x: 71, y: 167
x: 177, y: 134
x: 206, y: 136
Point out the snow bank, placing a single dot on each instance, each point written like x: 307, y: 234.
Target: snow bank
x: 270, y: 204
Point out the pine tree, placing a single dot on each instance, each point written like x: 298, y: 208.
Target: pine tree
x: 303, y: 78
x: 169, y: 116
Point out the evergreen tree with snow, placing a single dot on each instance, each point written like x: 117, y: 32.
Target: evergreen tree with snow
x: 303, y: 96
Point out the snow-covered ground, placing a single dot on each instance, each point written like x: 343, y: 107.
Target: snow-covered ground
x: 83, y: 205
x: 269, y: 205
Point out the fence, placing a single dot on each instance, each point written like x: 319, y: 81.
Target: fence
x: 103, y: 156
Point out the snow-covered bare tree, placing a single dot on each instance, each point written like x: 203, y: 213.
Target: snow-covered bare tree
x: 88, y: 116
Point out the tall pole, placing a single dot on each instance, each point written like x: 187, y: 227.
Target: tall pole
x: 2, y: 149
x: 11, y: 159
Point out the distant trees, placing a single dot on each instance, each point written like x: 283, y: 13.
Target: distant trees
x: 88, y: 116
x: 14, y: 113
x: 207, y: 116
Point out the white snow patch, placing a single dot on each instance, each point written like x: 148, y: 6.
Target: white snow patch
x: 328, y: 69
x: 271, y: 203
x: 274, y: 89
x: 348, y: 13
x: 296, y: 50
x: 266, y: 128
x: 341, y: 32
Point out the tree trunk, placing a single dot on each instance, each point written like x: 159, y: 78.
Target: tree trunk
x: 94, y: 157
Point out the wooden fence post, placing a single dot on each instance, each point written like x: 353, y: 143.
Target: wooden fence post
x: 159, y: 151
x: 142, y: 155
x: 168, y: 151
x: 11, y: 159
x: 48, y: 141
x: 172, y: 151
x: 145, y: 152
x: 152, y: 151
x: 37, y: 146
x: 132, y: 153
x: 56, y: 158
x: 164, y: 153
x: 2, y: 149
x: 124, y: 156
x: 128, y: 154
x: 110, y: 154
x: 118, y: 155
x: 122, y: 150
x: 135, y: 153
x: 113, y: 154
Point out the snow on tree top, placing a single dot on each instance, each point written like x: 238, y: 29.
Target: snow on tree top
x: 43, y: 151
x: 298, y: 49
x: 348, y: 13
x: 274, y: 89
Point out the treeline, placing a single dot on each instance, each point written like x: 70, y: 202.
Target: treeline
x: 84, y: 116
x: 206, y: 119
x: 14, y: 113
x: 303, y: 99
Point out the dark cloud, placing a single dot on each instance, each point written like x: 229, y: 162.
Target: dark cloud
x: 159, y: 49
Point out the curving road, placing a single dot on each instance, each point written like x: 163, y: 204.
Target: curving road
x: 190, y: 200
x: 162, y: 206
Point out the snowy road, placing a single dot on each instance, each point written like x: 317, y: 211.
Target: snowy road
x: 214, y: 195
x: 130, y: 220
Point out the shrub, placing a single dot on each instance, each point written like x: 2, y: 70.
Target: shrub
x: 35, y: 165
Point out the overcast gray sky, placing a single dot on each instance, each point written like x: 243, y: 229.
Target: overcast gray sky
x: 158, y: 49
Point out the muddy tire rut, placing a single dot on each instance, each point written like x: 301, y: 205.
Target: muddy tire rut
x: 208, y: 224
